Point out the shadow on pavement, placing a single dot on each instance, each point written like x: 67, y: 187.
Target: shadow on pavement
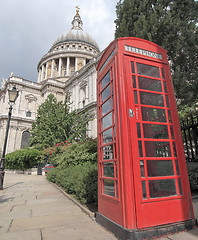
x: 13, y: 185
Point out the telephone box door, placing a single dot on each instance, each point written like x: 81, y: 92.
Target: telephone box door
x: 157, y: 161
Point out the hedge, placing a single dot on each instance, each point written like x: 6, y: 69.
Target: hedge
x: 193, y: 179
x: 76, y: 153
x: 80, y: 180
x: 22, y: 159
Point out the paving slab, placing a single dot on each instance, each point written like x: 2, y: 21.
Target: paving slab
x: 24, y: 235
x: 190, y: 235
x: 72, y: 232
x: 32, y: 208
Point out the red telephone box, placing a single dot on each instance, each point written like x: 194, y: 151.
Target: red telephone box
x: 143, y: 189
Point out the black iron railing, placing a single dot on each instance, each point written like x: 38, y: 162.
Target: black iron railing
x: 189, y: 130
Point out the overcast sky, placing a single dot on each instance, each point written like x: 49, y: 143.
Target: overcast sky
x: 28, y: 29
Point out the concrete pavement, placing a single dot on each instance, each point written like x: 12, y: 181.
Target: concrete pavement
x: 33, y: 209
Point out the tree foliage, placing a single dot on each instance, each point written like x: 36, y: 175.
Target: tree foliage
x: 171, y: 24
x: 23, y: 159
x: 76, y: 153
x: 55, y: 123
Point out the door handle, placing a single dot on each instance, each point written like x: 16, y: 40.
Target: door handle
x: 131, y: 113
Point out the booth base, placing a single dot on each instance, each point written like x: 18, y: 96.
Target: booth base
x: 147, y: 233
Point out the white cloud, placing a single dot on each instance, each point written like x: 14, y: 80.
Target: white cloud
x: 29, y: 28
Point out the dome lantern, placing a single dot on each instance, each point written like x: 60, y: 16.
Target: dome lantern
x: 76, y: 33
x: 77, y: 22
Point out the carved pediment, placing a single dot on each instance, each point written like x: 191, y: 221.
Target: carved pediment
x: 30, y: 98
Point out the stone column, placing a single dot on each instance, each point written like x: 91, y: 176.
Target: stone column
x: 77, y: 97
x: 76, y: 64
x: 68, y: 63
x: 39, y: 76
x: 46, y: 66
x: 94, y: 77
x: 86, y: 94
x: 73, y: 99
x: 90, y: 85
x: 60, y: 67
x: 52, y: 68
x: 42, y: 73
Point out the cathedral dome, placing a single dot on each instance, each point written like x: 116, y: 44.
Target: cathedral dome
x: 76, y: 34
x: 69, y: 53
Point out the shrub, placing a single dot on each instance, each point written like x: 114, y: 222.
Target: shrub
x: 193, y: 179
x: 80, y: 180
x: 77, y: 153
x: 23, y: 159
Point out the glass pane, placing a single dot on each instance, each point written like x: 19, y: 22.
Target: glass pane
x: 148, y: 70
x: 157, y: 149
x: 108, y: 187
x: 106, y: 93
x: 134, y: 81
x: 135, y: 97
x: 150, y: 84
x: 116, y: 172
x: 162, y: 188
x: 132, y: 67
x: 172, y: 132
x: 169, y: 116
x: 151, y: 99
x: 116, y: 189
x: 115, y: 153
x: 174, y: 150
x: 153, y: 114
x: 180, y: 186
x: 25, y: 139
x: 140, y: 148
x: 108, y: 152
x: 106, y: 107
x: 108, y: 136
x: 177, y: 167
x: 142, y: 168
x: 163, y: 75
x: 157, y: 168
x: 144, y: 190
x: 165, y: 89
x: 107, y: 121
x: 138, y: 130
x: 105, y: 80
x: 167, y: 101
x: 108, y: 169
x: 114, y: 134
x: 155, y: 131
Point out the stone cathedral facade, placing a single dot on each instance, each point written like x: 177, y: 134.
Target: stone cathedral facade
x: 68, y: 67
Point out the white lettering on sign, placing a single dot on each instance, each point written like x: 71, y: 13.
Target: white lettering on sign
x: 143, y: 52
x: 137, y: 113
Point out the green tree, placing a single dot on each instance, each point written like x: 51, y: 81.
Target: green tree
x: 55, y: 123
x: 23, y: 159
x: 171, y: 24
